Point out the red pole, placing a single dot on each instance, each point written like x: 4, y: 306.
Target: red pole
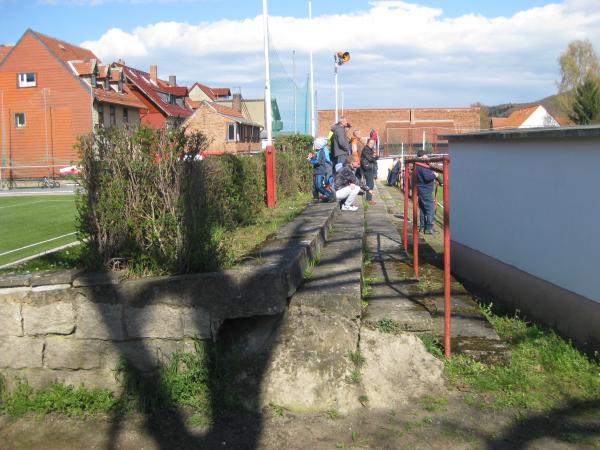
x: 406, y: 188
x: 447, y: 330
x: 270, y: 175
x: 415, y: 223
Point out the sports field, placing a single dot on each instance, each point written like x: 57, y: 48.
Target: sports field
x: 33, y: 224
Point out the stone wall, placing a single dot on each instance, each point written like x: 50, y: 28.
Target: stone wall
x: 75, y: 328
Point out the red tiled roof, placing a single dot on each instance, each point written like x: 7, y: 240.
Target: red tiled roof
x: 192, y: 104
x: 125, y: 99
x: 4, y: 49
x: 516, y: 119
x: 564, y: 121
x: 83, y: 68
x: 102, y: 70
x: 499, y: 122
x: 151, y: 90
x: 227, y: 111
x: 64, y: 50
x: 212, y: 93
x: 221, y: 92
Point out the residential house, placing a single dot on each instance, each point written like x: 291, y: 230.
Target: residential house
x: 226, y: 128
x: 200, y: 92
x: 535, y: 116
x: 164, y: 101
x: 52, y: 93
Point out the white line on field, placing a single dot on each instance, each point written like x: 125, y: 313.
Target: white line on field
x: 38, y: 243
x: 33, y: 203
x: 37, y: 255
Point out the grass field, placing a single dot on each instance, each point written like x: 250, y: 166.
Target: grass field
x: 29, y: 220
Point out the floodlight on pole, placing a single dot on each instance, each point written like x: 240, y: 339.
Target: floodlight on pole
x: 340, y: 58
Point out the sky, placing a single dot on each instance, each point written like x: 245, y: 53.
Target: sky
x: 429, y: 53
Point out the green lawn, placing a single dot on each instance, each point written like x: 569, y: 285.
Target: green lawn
x: 30, y: 220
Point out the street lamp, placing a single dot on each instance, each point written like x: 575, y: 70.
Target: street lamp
x: 340, y: 58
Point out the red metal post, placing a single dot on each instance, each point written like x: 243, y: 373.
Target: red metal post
x: 415, y: 228
x: 406, y: 188
x: 270, y: 175
x: 447, y: 331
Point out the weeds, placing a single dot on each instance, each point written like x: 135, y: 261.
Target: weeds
x: 432, y: 345
x: 543, y: 373
x: 433, y: 404
x: 388, y: 326
x: 188, y: 379
x: 333, y: 414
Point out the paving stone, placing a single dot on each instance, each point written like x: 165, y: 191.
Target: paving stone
x: 55, y: 277
x: 8, y: 281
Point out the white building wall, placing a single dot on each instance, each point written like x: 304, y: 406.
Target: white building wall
x: 532, y: 204
x: 540, y: 118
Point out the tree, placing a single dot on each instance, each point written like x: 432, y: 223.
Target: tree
x: 577, y: 63
x: 586, y: 105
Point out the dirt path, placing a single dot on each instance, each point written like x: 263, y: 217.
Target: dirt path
x: 452, y: 421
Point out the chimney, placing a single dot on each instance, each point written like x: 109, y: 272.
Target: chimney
x: 154, y: 73
x: 236, y: 103
x: 172, y: 80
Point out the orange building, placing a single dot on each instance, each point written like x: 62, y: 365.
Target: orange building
x: 52, y: 92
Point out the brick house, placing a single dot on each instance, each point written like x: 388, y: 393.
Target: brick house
x: 227, y: 128
x: 51, y: 93
x: 164, y: 102
x: 406, y: 127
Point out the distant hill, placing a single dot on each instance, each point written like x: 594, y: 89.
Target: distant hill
x: 552, y: 104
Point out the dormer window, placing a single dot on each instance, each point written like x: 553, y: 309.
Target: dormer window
x: 27, y: 79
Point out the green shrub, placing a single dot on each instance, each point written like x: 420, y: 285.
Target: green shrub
x: 148, y: 208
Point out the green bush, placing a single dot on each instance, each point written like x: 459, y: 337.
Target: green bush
x: 147, y: 207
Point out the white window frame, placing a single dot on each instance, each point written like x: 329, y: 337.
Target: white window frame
x: 235, y: 131
x: 19, y: 123
x: 23, y: 80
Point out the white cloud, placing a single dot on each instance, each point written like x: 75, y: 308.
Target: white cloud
x: 403, y: 54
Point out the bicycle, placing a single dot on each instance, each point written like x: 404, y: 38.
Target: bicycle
x: 48, y: 183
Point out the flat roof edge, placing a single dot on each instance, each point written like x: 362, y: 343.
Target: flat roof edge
x: 588, y: 131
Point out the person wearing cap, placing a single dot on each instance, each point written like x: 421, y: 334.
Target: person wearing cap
x: 340, y: 145
x: 323, y: 169
x: 347, y: 186
x: 426, y: 179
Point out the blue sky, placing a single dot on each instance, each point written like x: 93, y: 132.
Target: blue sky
x: 77, y: 21
x: 404, y: 53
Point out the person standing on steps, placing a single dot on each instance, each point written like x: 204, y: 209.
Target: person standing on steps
x: 368, y: 165
x: 322, y: 170
x: 347, y: 186
x: 340, y: 145
x: 426, y: 179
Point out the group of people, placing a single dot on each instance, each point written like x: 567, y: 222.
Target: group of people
x: 345, y: 167
x: 340, y: 163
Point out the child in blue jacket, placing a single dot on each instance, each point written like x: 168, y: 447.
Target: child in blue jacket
x: 323, y: 169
